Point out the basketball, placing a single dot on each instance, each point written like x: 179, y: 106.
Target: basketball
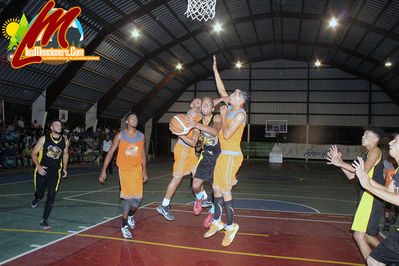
x: 178, y: 125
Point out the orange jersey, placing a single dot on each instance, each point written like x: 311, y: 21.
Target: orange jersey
x: 130, y: 150
x: 233, y: 144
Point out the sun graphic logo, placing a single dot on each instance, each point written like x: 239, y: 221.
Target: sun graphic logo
x: 14, y: 30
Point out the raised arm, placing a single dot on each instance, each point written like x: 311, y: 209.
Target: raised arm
x: 372, y: 186
x: 218, y: 79
x: 213, y: 130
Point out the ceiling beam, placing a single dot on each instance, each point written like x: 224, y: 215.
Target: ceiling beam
x: 55, y: 89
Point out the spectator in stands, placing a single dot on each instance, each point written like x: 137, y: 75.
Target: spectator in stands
x: 26, y: 155
x: 3, y: 162
x: 11, y: 154
x: 35, y: 124
x: 21, y: 123
x: 106, y: 145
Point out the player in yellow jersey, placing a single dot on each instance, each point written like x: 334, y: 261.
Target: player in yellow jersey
x: 230, y: 159
x: 387, y: 252
x: 131, y: 162
x: 365, y: 224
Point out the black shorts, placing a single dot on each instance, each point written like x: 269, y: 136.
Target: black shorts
x: 206, y: 165
x: 388, y: 250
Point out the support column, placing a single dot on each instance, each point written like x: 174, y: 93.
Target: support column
x: 39, y: 110
x: 91, y: 117
x: 147, y: 135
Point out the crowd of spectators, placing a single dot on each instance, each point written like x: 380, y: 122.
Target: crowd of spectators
x: 18, y: 138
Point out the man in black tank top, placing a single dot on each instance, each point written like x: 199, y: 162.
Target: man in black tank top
x: 208, y: 128
x: 53, y: 157
x: 387, y: 252
x: 365, y: 224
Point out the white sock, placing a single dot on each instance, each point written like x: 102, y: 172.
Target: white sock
x: 165, y: 202
x: 205, y: 196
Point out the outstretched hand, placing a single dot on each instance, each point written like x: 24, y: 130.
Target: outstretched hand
x: 215, y: 64
x: 334, y: 156
x: 361, y: 173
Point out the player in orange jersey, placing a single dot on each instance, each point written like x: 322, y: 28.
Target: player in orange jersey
x: 185, y: 162
x: 131, y: 161
x: 230, y: 159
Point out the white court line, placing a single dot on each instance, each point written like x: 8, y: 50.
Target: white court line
x: 83, y: 227
x: 107, y: 218
x: 73, y: 232
x: 32, y: 179
x: 273, y: 218
x: 90, y: 192
x: 303, y: 205
x: 95, y: 191
x: 62, y: 238
x: 259, y: 194
x: 97, y: 202
x: 35, y: 246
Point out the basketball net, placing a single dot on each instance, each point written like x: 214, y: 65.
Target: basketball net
x: 201, y: 9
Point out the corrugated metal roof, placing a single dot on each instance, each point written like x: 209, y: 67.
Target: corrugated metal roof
x: 118, y: 53
x: 238, y: 8
x: 384, y: 49
x: 169, y: 21
x: 16, y: 92
x: 314, y: 6
x: 142, y: 83
x: 114, y: 113
x: 127, y: 7
x: 93, y: 79
x: 153, y: 29
x: 259, y: 6
x: 101, y: 9
x: 309, y: 30
x: 247, y: 32
x: 181, y: 54
x: 132, y: 94
x: 25, y: 77
x: 371, y: 10
x: 192, y: 45
x: 71, y: 104
x: 180, y: 7
x: 122, y: 104
x: 81, y: 92
x: 107, y: 67
x: 149, y: 71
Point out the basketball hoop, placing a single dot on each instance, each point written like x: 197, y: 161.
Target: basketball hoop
x: 201, y: 9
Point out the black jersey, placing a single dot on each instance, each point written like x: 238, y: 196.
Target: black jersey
x: 52, y: 151
x: 210, y: 143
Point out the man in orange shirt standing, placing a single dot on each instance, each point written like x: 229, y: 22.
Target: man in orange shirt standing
x: 131, y: 161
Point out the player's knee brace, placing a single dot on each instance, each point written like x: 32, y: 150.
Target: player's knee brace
x: 229, y: 211
x: 218, y: 208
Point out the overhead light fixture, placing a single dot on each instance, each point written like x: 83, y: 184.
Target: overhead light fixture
x: 333, y: 22
x: 179, y: 66
x: 388, y: 63
x: 135, y: 33
x: 317, y: 63
x: 238, y: 64
x: 217, y: 27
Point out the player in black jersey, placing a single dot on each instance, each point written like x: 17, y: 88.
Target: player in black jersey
x: 52, y: 158
x: 208, y: 129
x: 387, y: 252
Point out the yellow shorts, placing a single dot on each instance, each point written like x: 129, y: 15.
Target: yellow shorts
x: 185, y: 160
x: 131, y: 183
x: 226, y: 168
